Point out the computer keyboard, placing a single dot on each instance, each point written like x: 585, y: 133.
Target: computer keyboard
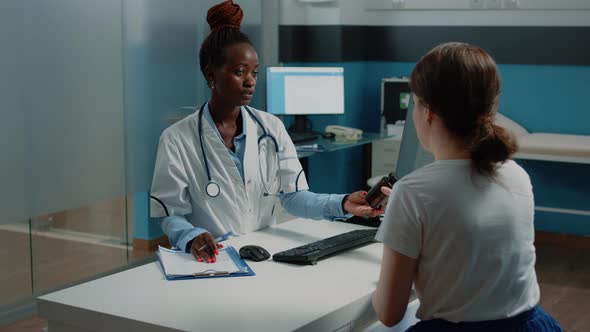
x: 302, y: 136
x: 311, y: 252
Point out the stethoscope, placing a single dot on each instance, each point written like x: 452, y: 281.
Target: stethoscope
x: 212, y: 189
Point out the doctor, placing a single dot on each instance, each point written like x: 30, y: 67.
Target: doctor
x: 226, y: 167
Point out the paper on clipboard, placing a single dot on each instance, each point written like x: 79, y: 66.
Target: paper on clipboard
x: 178, y: 264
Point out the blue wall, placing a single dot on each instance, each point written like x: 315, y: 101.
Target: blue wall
x: 342, y: 171
x: 552, y: 99
x: 540, y: 98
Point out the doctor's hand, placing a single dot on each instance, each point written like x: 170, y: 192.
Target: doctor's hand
x: 356, y: 204
x: 204, y: 248
x: 386, y: 191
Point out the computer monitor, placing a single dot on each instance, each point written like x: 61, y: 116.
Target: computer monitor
x: 302, y: 91
x: 411, y: 154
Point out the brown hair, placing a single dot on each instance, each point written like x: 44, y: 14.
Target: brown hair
x: 460, y: 83
x: 224, y: 20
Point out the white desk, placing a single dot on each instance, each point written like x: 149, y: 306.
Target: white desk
x: 333, y: 295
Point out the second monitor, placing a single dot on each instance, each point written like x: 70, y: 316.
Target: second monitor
x: 302, y: 91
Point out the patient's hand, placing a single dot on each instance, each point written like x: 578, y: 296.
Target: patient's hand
x: 356, y: 204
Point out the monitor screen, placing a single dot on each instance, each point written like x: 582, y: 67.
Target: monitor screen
x: 305, y: 90
x: 411, y: 154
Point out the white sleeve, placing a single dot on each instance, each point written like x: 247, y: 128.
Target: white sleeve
x: 169, y: 184
x: 402, y: 225
x: 291, y: 173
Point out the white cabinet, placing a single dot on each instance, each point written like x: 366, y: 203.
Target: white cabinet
x: 384, y: 156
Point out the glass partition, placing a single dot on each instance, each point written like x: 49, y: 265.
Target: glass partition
x: 77, y: 244
x: 87, y: 87
x: 15, y: 263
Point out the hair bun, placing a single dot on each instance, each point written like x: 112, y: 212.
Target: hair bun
x: 225, y: 15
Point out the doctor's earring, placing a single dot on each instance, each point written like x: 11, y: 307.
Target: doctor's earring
x: 212, y: 85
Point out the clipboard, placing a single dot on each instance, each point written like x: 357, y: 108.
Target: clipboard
x: 178, y: 265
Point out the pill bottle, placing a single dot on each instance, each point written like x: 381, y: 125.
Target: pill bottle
x: 377, y: 199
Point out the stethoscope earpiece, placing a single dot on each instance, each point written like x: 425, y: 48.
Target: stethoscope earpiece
x: 267, y: 194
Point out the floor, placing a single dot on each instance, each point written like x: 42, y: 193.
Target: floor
x: 54, y: 250
x: 563, y: 274
x: 564, y: 277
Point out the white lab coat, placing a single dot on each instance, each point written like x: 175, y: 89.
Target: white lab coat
x: 180, y: 177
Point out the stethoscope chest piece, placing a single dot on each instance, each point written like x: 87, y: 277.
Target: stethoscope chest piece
x: 212, y: 189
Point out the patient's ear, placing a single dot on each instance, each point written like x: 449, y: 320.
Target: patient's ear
x: 429, y: 115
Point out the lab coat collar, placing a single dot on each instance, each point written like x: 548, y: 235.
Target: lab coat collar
x: 215, y: 142
x: 209, y: 118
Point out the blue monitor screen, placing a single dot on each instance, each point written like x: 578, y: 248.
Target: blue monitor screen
x: 305, y: 90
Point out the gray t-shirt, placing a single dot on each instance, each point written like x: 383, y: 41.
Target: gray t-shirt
x: 473, y: 238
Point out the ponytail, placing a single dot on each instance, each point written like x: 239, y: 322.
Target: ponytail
x: 224, y: 20
x: 461, y: 84
x: 492, y: 144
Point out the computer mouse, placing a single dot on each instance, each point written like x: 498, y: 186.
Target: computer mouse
x: 328, y: 135
x: 254, y: 253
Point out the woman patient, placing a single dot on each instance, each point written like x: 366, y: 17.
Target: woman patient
x: 461, y: 228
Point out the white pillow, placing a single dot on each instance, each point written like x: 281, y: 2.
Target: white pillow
x: 556, y: 144
x: 504, y: 122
